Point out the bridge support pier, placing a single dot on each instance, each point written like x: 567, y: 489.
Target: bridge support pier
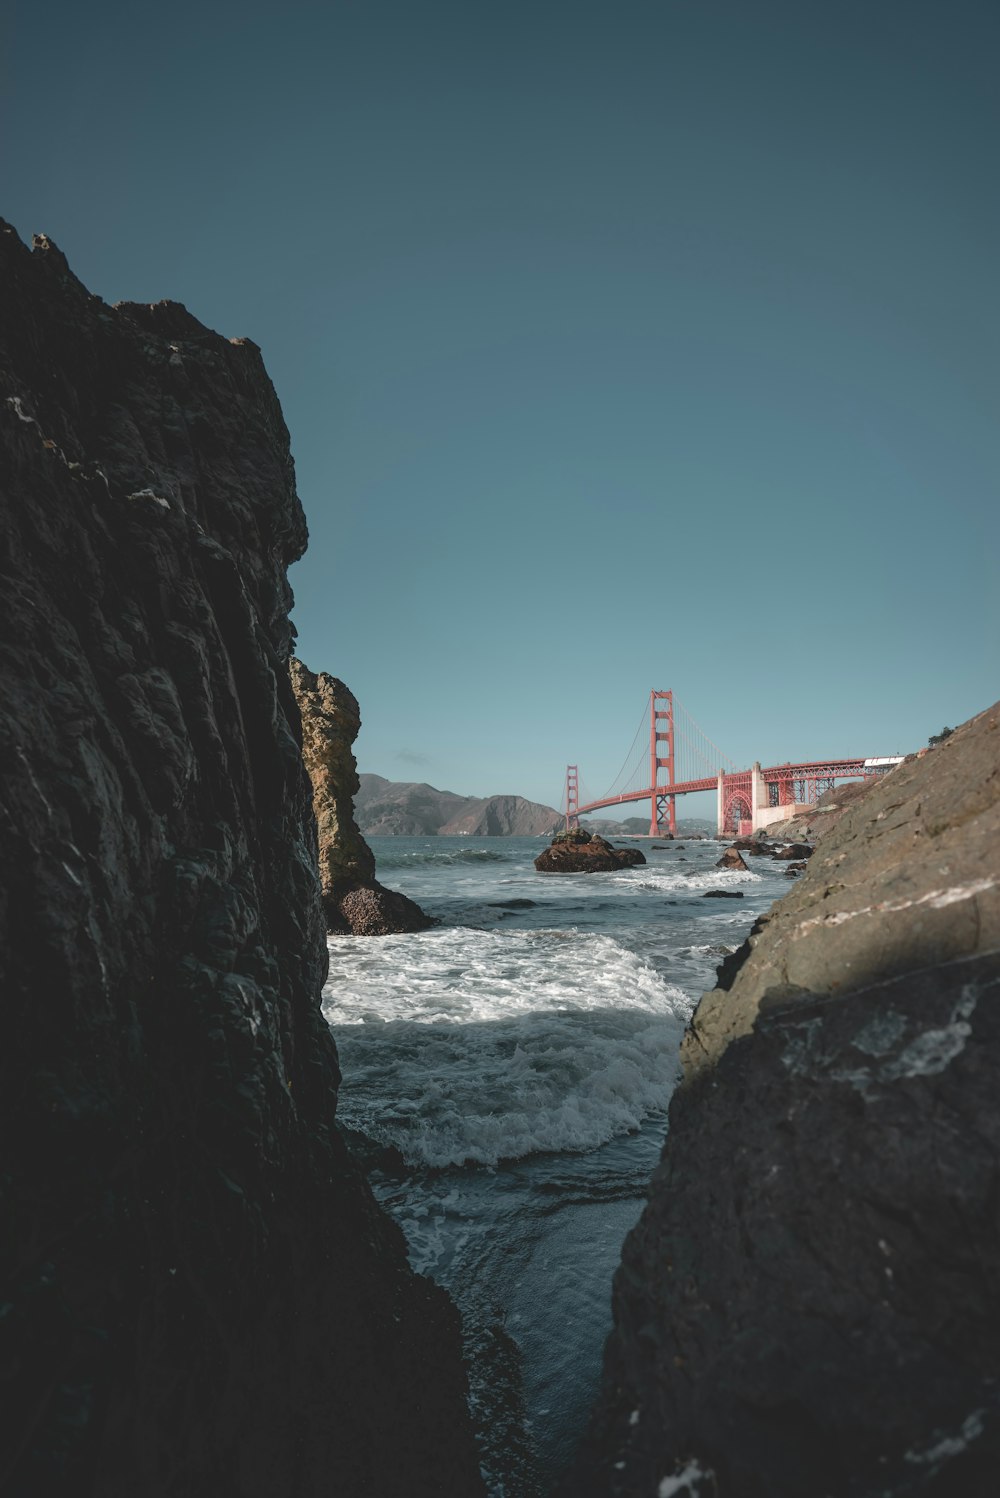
x: 758, y: 795
x: 720, y: 808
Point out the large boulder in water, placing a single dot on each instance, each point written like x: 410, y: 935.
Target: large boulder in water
x: 579, y: 852
x: 732, y: 859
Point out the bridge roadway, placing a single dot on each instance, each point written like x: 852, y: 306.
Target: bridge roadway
x: 744, y: 796
x: 681, y: 788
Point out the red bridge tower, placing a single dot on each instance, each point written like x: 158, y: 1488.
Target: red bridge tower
x: 663, y: 808
x: 572, y: 797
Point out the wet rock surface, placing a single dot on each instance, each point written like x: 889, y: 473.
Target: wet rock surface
x: 810, y: 1303
x: 202, y: 1296
x: 795, y: 851
x: 732, y: 859
x: 580, y: 852
x: 354, y: 902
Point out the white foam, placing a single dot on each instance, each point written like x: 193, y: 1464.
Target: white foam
x: 946, y: 1446
x: 497, y: 1046
x: 704, y: 879
x: 465, y: 976
x: 687, y: 1481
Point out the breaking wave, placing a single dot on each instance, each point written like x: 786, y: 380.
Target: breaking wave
x: 441, y: 858
x: 474, y: 1047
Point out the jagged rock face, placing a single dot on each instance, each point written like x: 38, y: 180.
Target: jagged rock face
x: 811, y: 1300
x: 908, y: 876
x: 203, y: 1296
x: 820, y: 818
x: 331, y: 721
x: 353, y: 900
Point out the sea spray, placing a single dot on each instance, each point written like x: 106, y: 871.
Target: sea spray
x: 508, y: 1075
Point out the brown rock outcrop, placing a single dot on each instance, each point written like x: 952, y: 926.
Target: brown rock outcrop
x: 201, y: 1295
x: 353, y: 900
x: 580, y: 852
x: 732, y: 859
x: 810, y: 1303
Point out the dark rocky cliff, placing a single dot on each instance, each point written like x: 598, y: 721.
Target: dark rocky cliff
x: 810, y: 1304
x: 201, y: 1296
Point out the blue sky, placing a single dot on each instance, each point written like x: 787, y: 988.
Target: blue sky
x: 622, y: 345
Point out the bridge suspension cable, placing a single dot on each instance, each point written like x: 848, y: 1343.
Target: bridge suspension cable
x: 698, y: 755
x: 635, y: 759
x: 683, y: 760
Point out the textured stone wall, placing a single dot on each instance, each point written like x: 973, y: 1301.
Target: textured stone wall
x: 810, y: 1304
x: 353, y: 900
x: 200, y: 1293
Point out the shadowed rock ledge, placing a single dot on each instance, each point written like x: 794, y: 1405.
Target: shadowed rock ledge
x: 810, y: 1304
x: 201, y: 1296
x: 353, y: 900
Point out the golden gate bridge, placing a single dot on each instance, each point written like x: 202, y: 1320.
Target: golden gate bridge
x: 679, y: 758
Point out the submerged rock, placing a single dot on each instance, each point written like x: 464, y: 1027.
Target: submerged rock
x: 810, y: 1302
x: 757, y: 843
x: 353, y: 900
x: 201, y: 1293
x: 581, y: 852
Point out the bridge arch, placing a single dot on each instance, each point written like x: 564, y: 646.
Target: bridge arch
x: 736, y: 808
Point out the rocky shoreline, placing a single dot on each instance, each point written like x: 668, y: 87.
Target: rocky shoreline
x: 811, y: 1300
x: 204, y: 1296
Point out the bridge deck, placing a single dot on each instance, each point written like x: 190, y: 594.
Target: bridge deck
x: 823, y: 769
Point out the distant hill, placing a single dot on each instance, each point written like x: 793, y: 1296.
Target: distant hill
x: 406, y: 808
x: 634, y: 826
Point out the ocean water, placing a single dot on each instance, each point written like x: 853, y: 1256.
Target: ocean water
x: 506, y: 1078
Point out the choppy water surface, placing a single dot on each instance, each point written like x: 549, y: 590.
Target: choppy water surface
x: 510, y: 1073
